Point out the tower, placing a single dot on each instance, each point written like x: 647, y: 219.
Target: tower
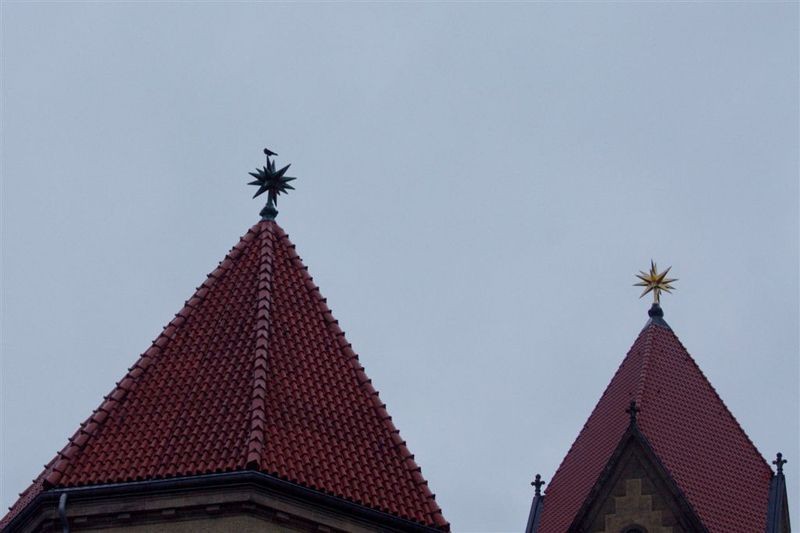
x: 249, y: 412
x: 661, y: 453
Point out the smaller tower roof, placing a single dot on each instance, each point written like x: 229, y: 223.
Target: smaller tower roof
x: 686, y: 424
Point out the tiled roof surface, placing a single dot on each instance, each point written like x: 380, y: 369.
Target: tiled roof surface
x: 25, y: 497
x: 253, y: 373
x: 691, y: 431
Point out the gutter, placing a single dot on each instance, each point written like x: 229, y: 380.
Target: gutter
x: 257, y: 479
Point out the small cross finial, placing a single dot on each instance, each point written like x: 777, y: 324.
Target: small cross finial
x: 779, y: 462
x: 538, y: 484
x: 655, y: 282
x: 273, y: 182
x: 632, y: 411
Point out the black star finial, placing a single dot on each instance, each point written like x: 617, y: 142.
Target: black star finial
x: 538, y: 484
x: 273, y: 182
x: 632, y: 410
x: 779, y: 462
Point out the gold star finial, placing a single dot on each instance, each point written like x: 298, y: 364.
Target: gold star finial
x: 655, y: 282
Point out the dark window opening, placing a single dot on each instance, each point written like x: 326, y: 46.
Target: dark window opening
x: 634, y: 529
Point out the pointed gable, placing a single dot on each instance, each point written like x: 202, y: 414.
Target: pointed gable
x: 252, y: 374
x: 690, y: 431
x: 634, y: 490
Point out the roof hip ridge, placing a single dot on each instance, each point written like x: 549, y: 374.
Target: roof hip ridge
x: 554, y: 479
x: 258, y: 413
x: 92, y: 425
x: 365, y: 383
x: 646, y: 354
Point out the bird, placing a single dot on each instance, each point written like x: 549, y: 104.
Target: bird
x: 269, y: 152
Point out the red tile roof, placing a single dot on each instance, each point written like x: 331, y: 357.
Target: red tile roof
x: 711, y: 460
x: 253, y: 373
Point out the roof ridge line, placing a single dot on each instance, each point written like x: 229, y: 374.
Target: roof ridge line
x: 599, y: 401
x: 258, y: 412
x: 93, y: 424
x: 646, y: 349
x: 365, y: 383
x: 34, y: 489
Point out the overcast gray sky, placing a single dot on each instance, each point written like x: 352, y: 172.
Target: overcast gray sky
x: 478, y: 184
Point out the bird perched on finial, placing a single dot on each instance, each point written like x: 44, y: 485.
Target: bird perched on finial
x: 273, y: 182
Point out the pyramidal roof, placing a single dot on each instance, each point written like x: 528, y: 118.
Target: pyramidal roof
x: 252, y: 374
x: 714, y: 465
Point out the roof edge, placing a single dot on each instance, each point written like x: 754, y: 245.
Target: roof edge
x: 692, y: 360
x: 414, y: 470
x: 92, y: 425
x: 223, y: 479
x: 605, y: 392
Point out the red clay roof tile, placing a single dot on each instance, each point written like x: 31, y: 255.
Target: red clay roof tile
x: 689, y: 428
x: 253, y: 372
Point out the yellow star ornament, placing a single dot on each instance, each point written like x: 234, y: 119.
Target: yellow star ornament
x: 655, y: 282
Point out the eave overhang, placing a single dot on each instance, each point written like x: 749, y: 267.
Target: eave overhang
x: 244, y: 479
